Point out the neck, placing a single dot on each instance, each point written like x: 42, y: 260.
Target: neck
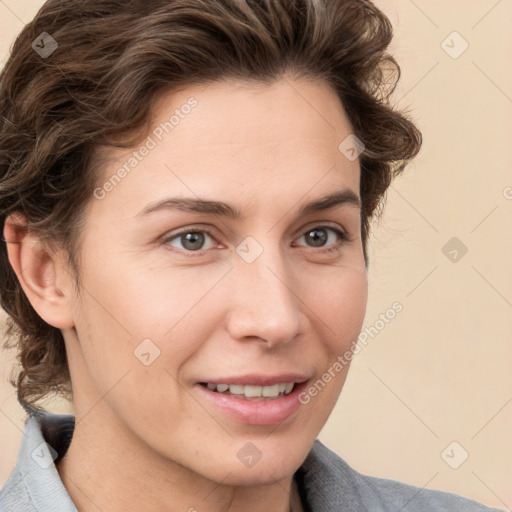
x: 105, y: 460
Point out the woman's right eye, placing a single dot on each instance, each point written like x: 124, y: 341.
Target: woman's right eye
x: 190, y: 241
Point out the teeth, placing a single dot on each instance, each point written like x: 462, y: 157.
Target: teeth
x: 254, y: 391
x: 235, y: 389
x: 270, y: 391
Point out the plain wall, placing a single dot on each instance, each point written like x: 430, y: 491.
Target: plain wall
x: 439, y: 371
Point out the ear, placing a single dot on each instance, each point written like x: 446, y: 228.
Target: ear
x: 43, y: 274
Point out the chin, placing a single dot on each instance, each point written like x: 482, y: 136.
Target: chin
x: 271, y: 465
x: 263, y: 473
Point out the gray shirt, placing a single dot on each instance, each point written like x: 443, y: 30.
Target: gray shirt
x: 326, y: 482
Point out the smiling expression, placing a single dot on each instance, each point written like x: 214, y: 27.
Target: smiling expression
x: 220, y: 277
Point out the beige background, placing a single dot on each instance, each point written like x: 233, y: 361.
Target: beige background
x: 440, y: 371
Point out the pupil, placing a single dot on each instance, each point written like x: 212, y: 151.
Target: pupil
x: 193, y: 240
x: 318, y: 237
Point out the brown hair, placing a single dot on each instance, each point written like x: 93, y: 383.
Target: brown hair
x: 114, y: 57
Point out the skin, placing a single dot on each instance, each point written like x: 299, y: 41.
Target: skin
x: 144, y: 434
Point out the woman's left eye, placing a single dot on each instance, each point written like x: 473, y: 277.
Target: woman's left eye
x: 323, y: 236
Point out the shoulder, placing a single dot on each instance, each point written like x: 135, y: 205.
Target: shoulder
x: 331, y: 484
x: 14, y: 495
x: 35, y: 484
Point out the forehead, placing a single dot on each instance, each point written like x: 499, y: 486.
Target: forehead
x: 248, y: 114
x: 230, y: 136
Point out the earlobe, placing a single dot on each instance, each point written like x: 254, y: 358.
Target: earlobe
x: 38, y: 271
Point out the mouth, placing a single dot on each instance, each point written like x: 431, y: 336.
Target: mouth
x: 254, y: 400
x: 251, y: 392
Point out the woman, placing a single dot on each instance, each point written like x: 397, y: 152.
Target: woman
x: 187, y: 189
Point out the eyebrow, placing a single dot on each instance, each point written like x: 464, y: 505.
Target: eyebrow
x: 339, y: 198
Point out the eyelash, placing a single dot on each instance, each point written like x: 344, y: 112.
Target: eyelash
x: 343, y: 236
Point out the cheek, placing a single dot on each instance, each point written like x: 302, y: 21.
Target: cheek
x: 144, y: 300
x: 339, y: 308
x: 127, y: 313
x: 339, y: 305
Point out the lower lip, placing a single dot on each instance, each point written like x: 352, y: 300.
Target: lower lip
x: 263, y: 412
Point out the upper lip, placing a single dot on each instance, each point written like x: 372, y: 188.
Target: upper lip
x: 259, y: 380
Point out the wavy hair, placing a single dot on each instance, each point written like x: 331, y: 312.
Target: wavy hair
x: 113, y: 59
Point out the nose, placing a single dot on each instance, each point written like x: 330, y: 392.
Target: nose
x: 263, y: 302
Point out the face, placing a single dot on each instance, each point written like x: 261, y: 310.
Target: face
x: 214, y: 274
